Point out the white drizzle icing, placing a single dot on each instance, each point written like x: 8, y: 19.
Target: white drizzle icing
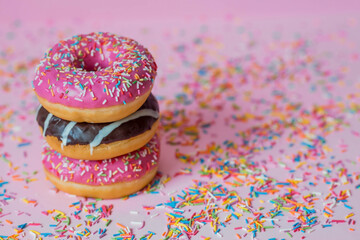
x: 109, y: 128
x: 103, y: 132
x: 46, y: 123
x: 37, y: 110
x: 66, y: 132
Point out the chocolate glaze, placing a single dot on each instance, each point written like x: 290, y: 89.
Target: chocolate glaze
x: 83, y: 133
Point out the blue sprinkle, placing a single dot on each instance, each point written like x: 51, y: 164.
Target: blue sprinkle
x: 46, y: 234
x: 24, y: 144
x: 3, y: 183
x: 347, y: 206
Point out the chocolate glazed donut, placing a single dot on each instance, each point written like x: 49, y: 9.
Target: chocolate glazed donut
x: 96, y: 141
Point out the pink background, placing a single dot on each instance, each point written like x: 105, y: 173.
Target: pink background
x: 165, y: 10
x: 28, y: 28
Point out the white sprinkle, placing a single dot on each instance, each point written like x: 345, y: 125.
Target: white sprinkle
x: 171, y: 193
x: 78, y: 99
x: 317, y: 193
x: 270, y: 219
x: 134, y: 212
x: 199, y: 223
x: 104, y: 101
x: 136, y: 223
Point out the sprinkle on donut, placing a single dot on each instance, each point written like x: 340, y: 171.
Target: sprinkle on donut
x: 95, y: 70
x: 124, y: 168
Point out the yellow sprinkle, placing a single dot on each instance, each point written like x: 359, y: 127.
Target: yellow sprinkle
x: 242, y: 208
x: 300, y: 164
x: 169, y: 215
x: 57, y: 166
x: 215, y: 228
x: 60, y: 212
x: 350, y: 215
x: 183, y: 225
x: 238, y: 214
x: 37, y: 233
x: 166, y: 180
x: 257, y: 223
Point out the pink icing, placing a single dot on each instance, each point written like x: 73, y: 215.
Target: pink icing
x: 95, y: 70
x: 124, y: 168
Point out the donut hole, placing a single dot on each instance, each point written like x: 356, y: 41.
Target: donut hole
x: 92, y: 63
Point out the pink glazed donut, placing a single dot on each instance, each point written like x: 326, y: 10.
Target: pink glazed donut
x: 109, y: 178
x: 96, y: 77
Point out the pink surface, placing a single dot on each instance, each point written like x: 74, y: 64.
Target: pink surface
x: 260, y: 121
x: 164, y: 10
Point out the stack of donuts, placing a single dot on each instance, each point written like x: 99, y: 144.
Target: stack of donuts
x: 98, y: 115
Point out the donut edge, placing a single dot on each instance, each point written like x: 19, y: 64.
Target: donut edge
x: 94, y: 115
x: 108, y: 191
x: 104, y: 151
